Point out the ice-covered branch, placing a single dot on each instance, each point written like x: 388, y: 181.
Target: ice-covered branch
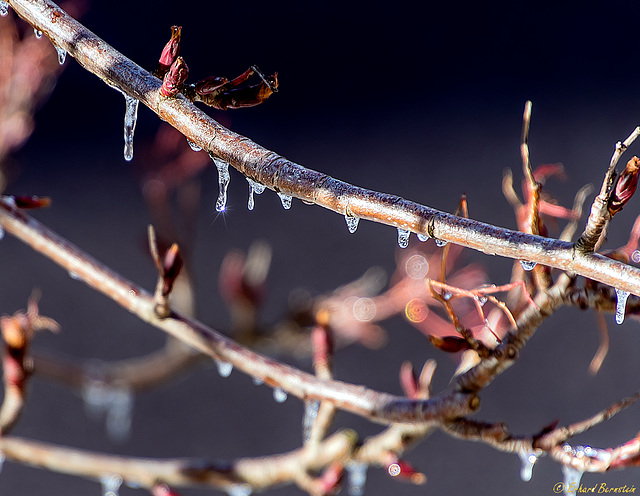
x: 292, y: 180
x: 256, y: 473
x: 376, y: 406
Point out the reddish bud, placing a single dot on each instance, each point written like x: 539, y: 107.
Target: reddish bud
x: 163, y: 490
x: 171, y: 265
x: 404, y: 470
x: 331, y: 478
x: 322, y: 342
x: 169, y: 52
x: 32, y: 201
x: 409, y: 381
x: 450, y: 344
x: 175, y: 78
x: 625, y: 186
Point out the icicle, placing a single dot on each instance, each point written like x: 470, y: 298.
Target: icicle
x: 441, y: 243
x: 239, y: 490
x: 528, y: 265
x: 352, y: 222
x: 37, y: 33
x: 280, y: 395
x: 528, y: 460
x: 224, y: 368
x: 403, y: 238
x: 4, y: 8
x: 223, y: 183
x: 571, y: 479
x: 357, y: 473
x: 193, y: 146
x: 111, y: 485
x: 62, y: 55
x: 116, y: 403
x: 286, y: 200
x: 422, y: 237
x: 310, y: 414
x: 254, y: 187
x: 621, y: 305
x: 130, y: 118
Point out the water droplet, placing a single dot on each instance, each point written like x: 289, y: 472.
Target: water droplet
x: 422, y: 237
x: 2, y: 459
x: 280, y: 395
x: 286, y: 200
x: 571, y: 479
x: 111, y: 485
x: 239, y: 490
x: 4, y: 8
x: 441, y: 242
x: 130, y: 119
x: 224, y: 368
x: 528, y: 460
x: 223, y: 183
x: 446, y: 295
x: 74, y: 276
x: 37, y: 33
x: 62, y: 55
x: 258, y: 381
x: 403, y: 238
x: 352, y: 223
x: 310, y: 414
x: 528, y: 265
x: 480, y: 299
x: 193, y: 146
x: 254, y: 187
x: 621, y: 305
x: 357, y: 478
x: 1, y: 232
x: 635, y: 256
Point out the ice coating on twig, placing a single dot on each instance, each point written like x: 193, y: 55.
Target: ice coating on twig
x: 441, y: 243
x: 286, y: 200
x: 193, y: 146
x: 223, y: 183
x: 528, y: 460
x: 310, y: 414
x: 130, y: 119
x: 1, y: 232
x: 4, y: 8
x: 37, y: 33
x: 422, y: 237
x: 2, y: 459
x: 621, y: 305
x: 352, y: 223
x: 62, y: 55
x: 403, y: 238
x: 254, y: 187
x: 571, y: 479
x: 111, y: 485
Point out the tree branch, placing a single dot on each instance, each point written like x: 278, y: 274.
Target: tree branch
x: 281, y: 175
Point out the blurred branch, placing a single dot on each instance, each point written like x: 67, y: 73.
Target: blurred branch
x: 281, y: 175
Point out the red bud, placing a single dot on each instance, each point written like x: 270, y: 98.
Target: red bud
x: 169, y: 52
x: 32, y: 201
x: 175, y: 78
x: 625, y: 186
x: 450, y: 344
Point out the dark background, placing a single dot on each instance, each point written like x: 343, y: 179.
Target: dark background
x: 423, y: 101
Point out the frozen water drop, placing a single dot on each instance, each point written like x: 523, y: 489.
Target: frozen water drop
x: 37, y: 33
x: 441, y: 242
x: 1, y: 232
x: 352, y: 223
x: 193, y: 146
x: 223, y: 183
x: 481, y: 300
x: 130, y: 118
x: 357, y: 474
x: 224, y: 368
x: 528, y: 460
x: 621, y: 305
x: 571, y: 479
x: 62, y: 55
x: 528, y: 265
x: 254, y: 187
x: 258, y: 381
x: 422, y: 237
x: 74, y: 276
x: 239, y: 490
x: 2, y: 459
x: 286, y: 200
x: 635, y: 256
x: 4, y: 8
x: 446, y: 295
x: 280, y: 395
x: 310, y: 414
x: 403, y: 238
x: 111, y: 485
